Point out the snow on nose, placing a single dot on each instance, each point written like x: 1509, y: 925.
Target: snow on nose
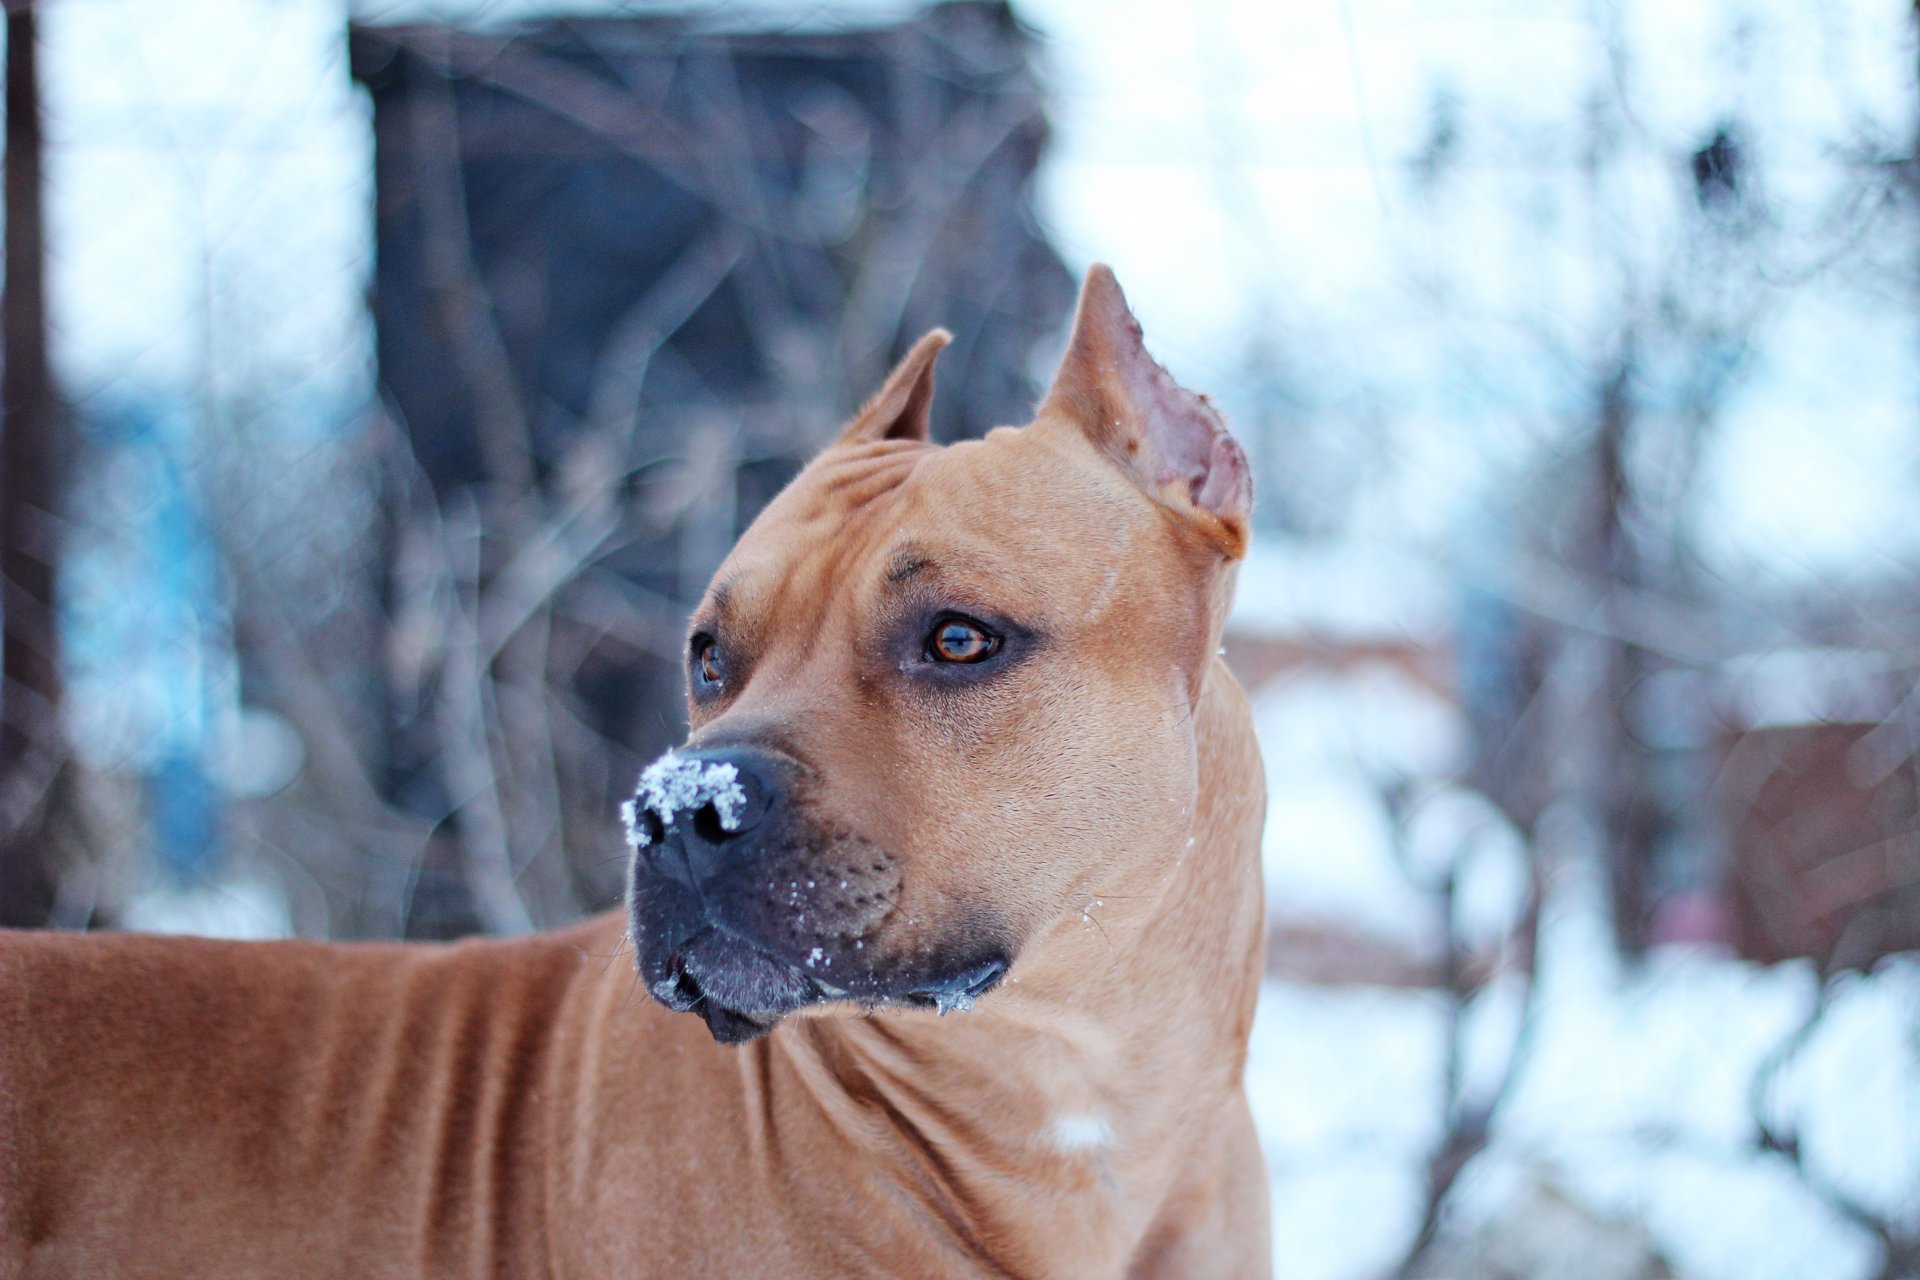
x: 676, y: 784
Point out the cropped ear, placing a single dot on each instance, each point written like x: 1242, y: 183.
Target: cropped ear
x: 1173, y: 442
x: 898, y: 411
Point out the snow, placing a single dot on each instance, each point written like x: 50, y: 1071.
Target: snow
x: 1347, y: 1217
x: 235, y: 908
x: 1866, y: 1044
x: 637, y: 837
x: 1634, y: 1100
x: 1339, y: 590
x: 678, y: 784
x: 1348, y: 1069
x: 1071, y: 1133
x: 1345, y: 1087
x: 1332, y: 743
x: 1454, y: 831
x: 1373, y: 719
x: 1799, y: 686
x: 946, y: 1002
x: 1328, y: 852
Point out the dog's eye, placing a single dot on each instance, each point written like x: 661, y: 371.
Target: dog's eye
x: 707, y: 665
x: 961, y: 640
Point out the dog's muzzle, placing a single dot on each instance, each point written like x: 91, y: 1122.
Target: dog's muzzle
x: 730, y: 917
x: 744, y: 909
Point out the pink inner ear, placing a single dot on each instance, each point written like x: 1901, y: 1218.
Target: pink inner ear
x: 1126, y: 403
x: 1186, y: 433
x: 1228, y: 486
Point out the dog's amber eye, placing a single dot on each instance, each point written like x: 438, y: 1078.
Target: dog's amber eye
x: 961, y: 640
x: 706, y: 660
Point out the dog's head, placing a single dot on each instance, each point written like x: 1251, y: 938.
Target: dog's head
x: 940, y: 697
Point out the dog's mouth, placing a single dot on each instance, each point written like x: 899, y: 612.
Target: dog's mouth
x: 957, y: 992
x: 742, y: 991
x: 738, y: 989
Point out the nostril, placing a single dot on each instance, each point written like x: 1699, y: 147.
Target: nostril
x: 655, y: 829
x: 687, y: 989
x: 707, y: 825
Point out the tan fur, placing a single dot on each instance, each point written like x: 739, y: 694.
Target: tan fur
x: 523, y: 1108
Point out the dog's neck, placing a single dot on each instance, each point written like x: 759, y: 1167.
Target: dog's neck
x: 1105, y: 1048
x: 1060, y: 1117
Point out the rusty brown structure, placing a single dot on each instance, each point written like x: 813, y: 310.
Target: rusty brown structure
x: 1823, y: 843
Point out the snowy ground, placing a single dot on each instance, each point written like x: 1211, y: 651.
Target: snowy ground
x: 1633, y: 1101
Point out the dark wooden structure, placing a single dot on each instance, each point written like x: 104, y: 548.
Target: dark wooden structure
x: 631, y: 273
x: 32, y: 751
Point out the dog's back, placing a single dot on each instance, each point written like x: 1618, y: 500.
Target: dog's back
x: 283, y: 1066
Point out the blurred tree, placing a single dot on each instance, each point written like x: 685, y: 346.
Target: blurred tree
x: 631, y: 274
x: 32, y: 755
x: 1600, y: 583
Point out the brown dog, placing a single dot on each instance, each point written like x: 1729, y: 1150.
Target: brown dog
x: 959, y: 735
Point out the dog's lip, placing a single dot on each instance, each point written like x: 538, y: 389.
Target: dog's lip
x: 959, y: 991
x: 682, y: 990
x: 774, y: 986
x: 681, y: 987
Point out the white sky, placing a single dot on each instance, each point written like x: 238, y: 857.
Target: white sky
x: 1243, y: 165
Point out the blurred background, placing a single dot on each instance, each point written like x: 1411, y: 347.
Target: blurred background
x: 382, y: 382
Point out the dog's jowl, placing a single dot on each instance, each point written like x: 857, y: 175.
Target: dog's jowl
x: 945, y: 918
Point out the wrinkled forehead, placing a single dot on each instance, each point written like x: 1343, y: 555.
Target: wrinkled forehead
x: 987, y: 516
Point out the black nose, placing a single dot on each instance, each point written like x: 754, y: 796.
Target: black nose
x: 698, y: 809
